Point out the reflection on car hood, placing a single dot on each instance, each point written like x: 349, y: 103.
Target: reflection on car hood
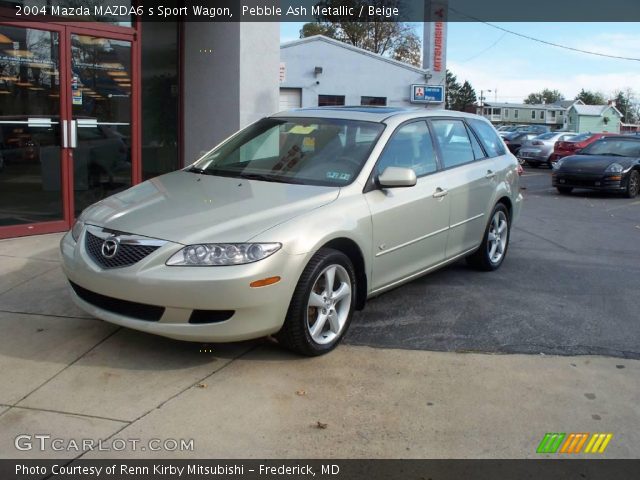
x: 189, y: 208
x: 592, y: 163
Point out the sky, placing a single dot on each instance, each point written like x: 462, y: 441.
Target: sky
x: 514, y: 67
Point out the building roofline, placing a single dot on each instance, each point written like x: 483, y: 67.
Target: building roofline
x: 338, y: 43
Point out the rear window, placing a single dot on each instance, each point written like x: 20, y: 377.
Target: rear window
x: 546, y: 136
x: 490, y: 140
x: 581, y: 137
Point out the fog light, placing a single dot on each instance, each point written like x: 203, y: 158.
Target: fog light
x: 264, y: 282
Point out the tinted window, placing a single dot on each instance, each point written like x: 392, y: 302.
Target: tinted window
x: 409, y: 147
x: 489, y: 138
x: 546, y: 136
x: 477, y: 149
x: 614, y: 146
x: 454, y: 142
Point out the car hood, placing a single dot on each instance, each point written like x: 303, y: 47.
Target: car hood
x: 190, y: 208
x: 592, y: 163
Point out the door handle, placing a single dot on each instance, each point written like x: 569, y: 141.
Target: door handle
x: 440, y: 192
x: 73, y: 134
x: 490, y: 174
x: 65, y: 138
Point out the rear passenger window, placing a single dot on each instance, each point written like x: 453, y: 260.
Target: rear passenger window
x: 454, y: 142
x: 477, y: 149
x: 488, y: 136
x: 410, y: 146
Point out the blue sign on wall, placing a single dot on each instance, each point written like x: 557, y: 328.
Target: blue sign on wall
x: 427, y: 93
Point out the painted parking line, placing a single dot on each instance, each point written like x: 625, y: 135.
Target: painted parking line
x: 637, y: 202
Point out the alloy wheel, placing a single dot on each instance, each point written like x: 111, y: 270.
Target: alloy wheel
x: 329, y: 304
x: 497, y: 237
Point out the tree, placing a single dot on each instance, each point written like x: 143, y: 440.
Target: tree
x: 452, y: 90
x: 591, y: 98
x: 625, y: 103
x: 466, y: 96
x: 545, y: 96
x: 376, y: 33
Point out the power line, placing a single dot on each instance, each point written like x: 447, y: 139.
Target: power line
x: 486, y: 49
x: 545, y: 42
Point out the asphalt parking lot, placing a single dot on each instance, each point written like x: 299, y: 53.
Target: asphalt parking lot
x: 405, y: 385
x: 569, y: 286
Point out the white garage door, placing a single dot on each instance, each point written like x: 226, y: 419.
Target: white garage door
x: 290, y: 98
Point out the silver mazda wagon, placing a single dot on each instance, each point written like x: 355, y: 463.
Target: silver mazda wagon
x: 291, y: 224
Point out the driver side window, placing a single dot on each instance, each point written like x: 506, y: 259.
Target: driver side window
x: 410, y: 146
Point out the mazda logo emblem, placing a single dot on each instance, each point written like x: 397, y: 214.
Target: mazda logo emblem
x: 110, y: 247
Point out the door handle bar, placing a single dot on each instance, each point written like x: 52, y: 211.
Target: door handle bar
x: 490, y: 174
x: 73, y: 134
x: 65, y: 138
x: 439, y: 193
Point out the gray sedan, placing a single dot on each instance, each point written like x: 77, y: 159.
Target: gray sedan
x: 538, y: 150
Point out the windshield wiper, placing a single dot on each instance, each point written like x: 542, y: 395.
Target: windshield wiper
x: 610, y: 154
x: 268, y: 178
x: 201, y: 171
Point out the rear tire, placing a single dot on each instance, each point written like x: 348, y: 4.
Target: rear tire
x: 533, y: 164
x: 320, y: 313
x: 564, y: 190
x: 633, y: 184
x: 495, y: 243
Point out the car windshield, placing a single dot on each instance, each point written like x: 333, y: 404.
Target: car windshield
x: 310, y: 151
x: 624, y: 147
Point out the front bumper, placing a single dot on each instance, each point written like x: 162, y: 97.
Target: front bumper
x: 176, y: 292
x: 597, y: 181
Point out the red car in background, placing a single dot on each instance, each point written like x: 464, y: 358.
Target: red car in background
x: 570, y: 147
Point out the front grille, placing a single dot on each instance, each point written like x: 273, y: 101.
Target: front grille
x: 126, y: 255
x: 140, y: 311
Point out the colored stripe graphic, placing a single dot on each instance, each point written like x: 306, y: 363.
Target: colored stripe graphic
x: 573, y: 443
x: 598, y: 443
x: 550, y: 442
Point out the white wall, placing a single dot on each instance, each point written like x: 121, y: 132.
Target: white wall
x: 345, y: 72
x: 234, y: 85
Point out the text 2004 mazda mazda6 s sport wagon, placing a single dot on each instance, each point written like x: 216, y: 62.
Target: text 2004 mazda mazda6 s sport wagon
x: 288, y: 226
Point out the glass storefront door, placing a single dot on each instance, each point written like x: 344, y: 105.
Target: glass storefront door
x: 66, y: 115
x: 31, y: 187
x: 100, y: 126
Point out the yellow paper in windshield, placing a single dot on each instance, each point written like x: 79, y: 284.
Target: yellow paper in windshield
x: 303, y: 130
x: 309, y: 143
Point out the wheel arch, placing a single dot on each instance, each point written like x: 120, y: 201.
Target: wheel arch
x: 506, y: 201
x: 351, y: 249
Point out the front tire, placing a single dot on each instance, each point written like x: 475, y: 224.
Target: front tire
x: 633, y: 184
x: 322, y: 305
x: 495, y: 243
x: 565, y: 190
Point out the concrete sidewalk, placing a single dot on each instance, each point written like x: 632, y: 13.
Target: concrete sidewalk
x: 73, y: 377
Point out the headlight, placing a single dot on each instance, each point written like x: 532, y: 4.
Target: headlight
x: 614, y: 168
x: 76, y: 230
x: 211, y: 254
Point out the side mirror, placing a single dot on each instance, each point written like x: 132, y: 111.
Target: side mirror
x: 396, y: 177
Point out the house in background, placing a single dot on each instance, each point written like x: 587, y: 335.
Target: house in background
x: 551, y: 114
x: 320, y: 71
x: 594, y: 118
